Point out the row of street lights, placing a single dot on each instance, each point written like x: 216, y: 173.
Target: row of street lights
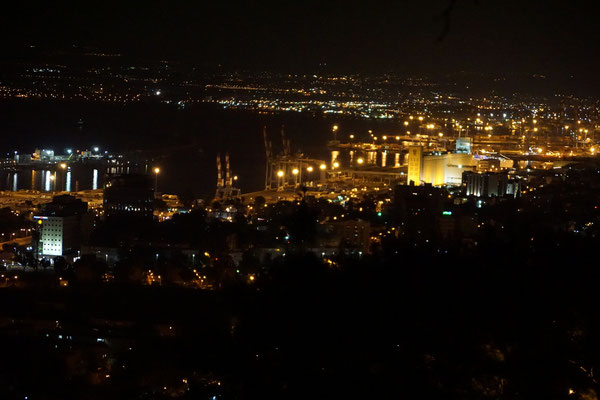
x: 296, y: 171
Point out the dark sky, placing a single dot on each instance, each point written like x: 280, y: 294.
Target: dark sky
x: 551, y: 37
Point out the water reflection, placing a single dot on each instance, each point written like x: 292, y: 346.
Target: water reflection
x: 68, y: 187
x: 76, y: 178
x: 46, y: 178
x: 95, y: 180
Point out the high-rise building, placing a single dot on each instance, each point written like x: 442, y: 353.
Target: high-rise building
x: 489, y: 184
x: 415, y: 164
x: 354, y: 234
x: 129, y: 197
x: 63, y: 224
x: 419, y: 200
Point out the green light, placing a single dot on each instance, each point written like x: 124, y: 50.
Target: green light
x: 446, y: 212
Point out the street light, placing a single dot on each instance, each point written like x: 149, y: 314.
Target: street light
x: 360, y: 161
x: 323, y: 166
x: 309, y: 169
x: 295, y: 171
x: 280, y: 173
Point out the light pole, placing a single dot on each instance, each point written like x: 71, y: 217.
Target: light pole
x: 156, y: 172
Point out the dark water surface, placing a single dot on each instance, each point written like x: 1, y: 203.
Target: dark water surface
x: 76, y: 177
x: 183, y: 142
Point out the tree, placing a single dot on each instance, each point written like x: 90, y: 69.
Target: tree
x: 60, y: 264
x: 259, y: 201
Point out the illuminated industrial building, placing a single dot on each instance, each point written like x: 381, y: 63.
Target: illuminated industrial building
x: 446, y: 169
x: 437, y: 169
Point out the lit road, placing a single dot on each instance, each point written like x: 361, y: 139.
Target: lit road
x: 21, y: 241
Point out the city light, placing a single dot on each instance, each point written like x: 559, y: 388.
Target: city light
x: 495, y: 196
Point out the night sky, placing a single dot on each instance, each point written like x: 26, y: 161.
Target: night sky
x: 548, y: 37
